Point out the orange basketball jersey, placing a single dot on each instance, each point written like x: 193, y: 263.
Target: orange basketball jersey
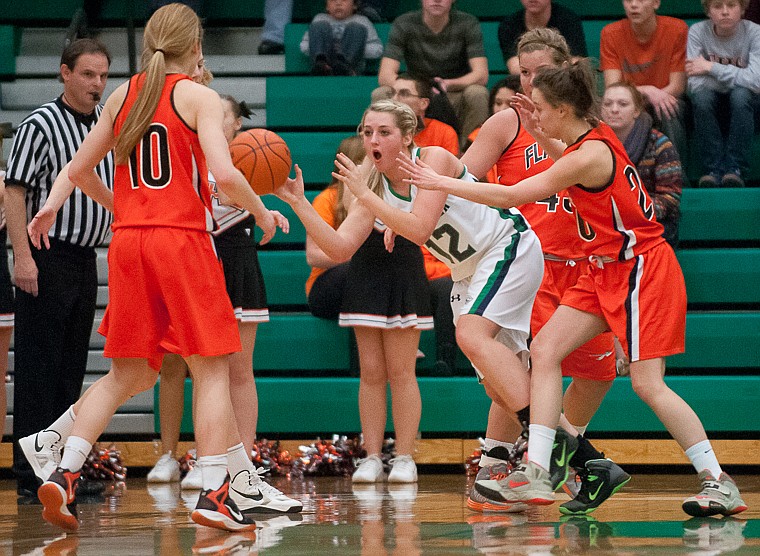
x: 165, y: 182
x: 553, y: 218
x: 619, y: 218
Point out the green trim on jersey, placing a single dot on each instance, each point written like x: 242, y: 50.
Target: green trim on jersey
x: 518, y: 220
x: 497, y: 277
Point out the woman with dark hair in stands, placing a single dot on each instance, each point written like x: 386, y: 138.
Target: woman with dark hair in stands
x: 655, y: 157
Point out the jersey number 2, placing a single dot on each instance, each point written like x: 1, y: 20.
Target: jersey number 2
x: 150, y: 162
x: 453, y: 253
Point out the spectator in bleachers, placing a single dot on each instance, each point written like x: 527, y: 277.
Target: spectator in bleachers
x: 656, y: 159
x: 56, y: 288
x: 327, y: 281
x: 277, y: 14
x: 649, y: 50
x: 416, y: 92
x: 339, y: 41
x: 723, y: 67
x: 540, y: 13
x: 446, y: 46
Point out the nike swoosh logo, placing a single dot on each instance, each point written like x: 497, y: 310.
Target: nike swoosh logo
x: 254, y: 497
x: 234, y: 513
x: 561, y: 461
x: 513, y: 484
x: 37, y: 447
x: 593, y: 496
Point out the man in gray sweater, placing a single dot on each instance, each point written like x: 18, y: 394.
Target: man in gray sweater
x: 723, y: 69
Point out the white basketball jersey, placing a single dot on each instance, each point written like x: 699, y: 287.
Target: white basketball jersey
x: 466, y: 230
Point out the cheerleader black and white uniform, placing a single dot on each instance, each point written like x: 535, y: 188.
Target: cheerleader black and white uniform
x: 236, y: 246
x: 387, y: 290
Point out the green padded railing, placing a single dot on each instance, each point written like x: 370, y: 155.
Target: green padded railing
x: 290, y: 407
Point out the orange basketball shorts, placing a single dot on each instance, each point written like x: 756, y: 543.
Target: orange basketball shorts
x: 166, y: 295
x: 642, y: 300
x: 594, y: 360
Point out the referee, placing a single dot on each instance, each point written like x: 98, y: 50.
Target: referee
x: 56, y: 289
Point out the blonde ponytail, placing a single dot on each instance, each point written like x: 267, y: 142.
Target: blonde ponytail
x: 171, y: 32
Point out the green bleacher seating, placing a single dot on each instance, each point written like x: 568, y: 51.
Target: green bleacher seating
x: 297, y: 342
x: 721, y: 275
x: 8, y: 51
x: 314, y: 151
x: 297, y: 235
x: 712, y: 275
x: 720, y: 215
x: 456, y: 405
x: 317, y: 102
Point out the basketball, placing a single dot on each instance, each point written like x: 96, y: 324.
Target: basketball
x: 262, y: 157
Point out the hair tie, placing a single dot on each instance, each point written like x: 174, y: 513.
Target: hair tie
x: 161, y: 50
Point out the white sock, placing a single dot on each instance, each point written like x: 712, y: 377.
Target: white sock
x: 64, y: 424
x: 540, y: 444
x: 75, y: 453
x: 213, y: 471
x: 702, y: 457
x: 488, y: 445
x: 238, y: 461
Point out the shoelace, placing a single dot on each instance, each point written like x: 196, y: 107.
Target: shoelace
x: 262, y: 485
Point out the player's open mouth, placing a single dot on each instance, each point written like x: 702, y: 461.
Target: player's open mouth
x: 377, y: 155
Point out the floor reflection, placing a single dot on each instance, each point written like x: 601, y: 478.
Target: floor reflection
x: 427, y: 518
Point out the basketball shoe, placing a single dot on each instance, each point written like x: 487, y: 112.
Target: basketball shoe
x: 43, y: 452
x: 719, y: 496
x: 599, y: 480
x: 58, y: 496
x: 252, y: 495
x: 479, y: 503
x: 216, y: 509
x: 563, y: 450
x: 529, y: 483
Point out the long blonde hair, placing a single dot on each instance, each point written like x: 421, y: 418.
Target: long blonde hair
x: 171, y: 32
x: 405, y: 120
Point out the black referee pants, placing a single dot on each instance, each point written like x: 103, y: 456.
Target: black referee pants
x: 52, y: 339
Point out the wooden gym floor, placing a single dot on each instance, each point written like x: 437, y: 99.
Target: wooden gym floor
x: 428, y: 518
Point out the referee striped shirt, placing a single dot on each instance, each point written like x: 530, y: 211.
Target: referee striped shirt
x: 45, y: 142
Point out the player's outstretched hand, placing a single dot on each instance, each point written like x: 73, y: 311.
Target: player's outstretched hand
x: 389, y: 239
x: 293, y: 189
x: 39, y: 227
x: 281, y: 221
x: 420, y: 174
x: 527, y: 110
x: 268, y: 225
x: 352, y: 176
